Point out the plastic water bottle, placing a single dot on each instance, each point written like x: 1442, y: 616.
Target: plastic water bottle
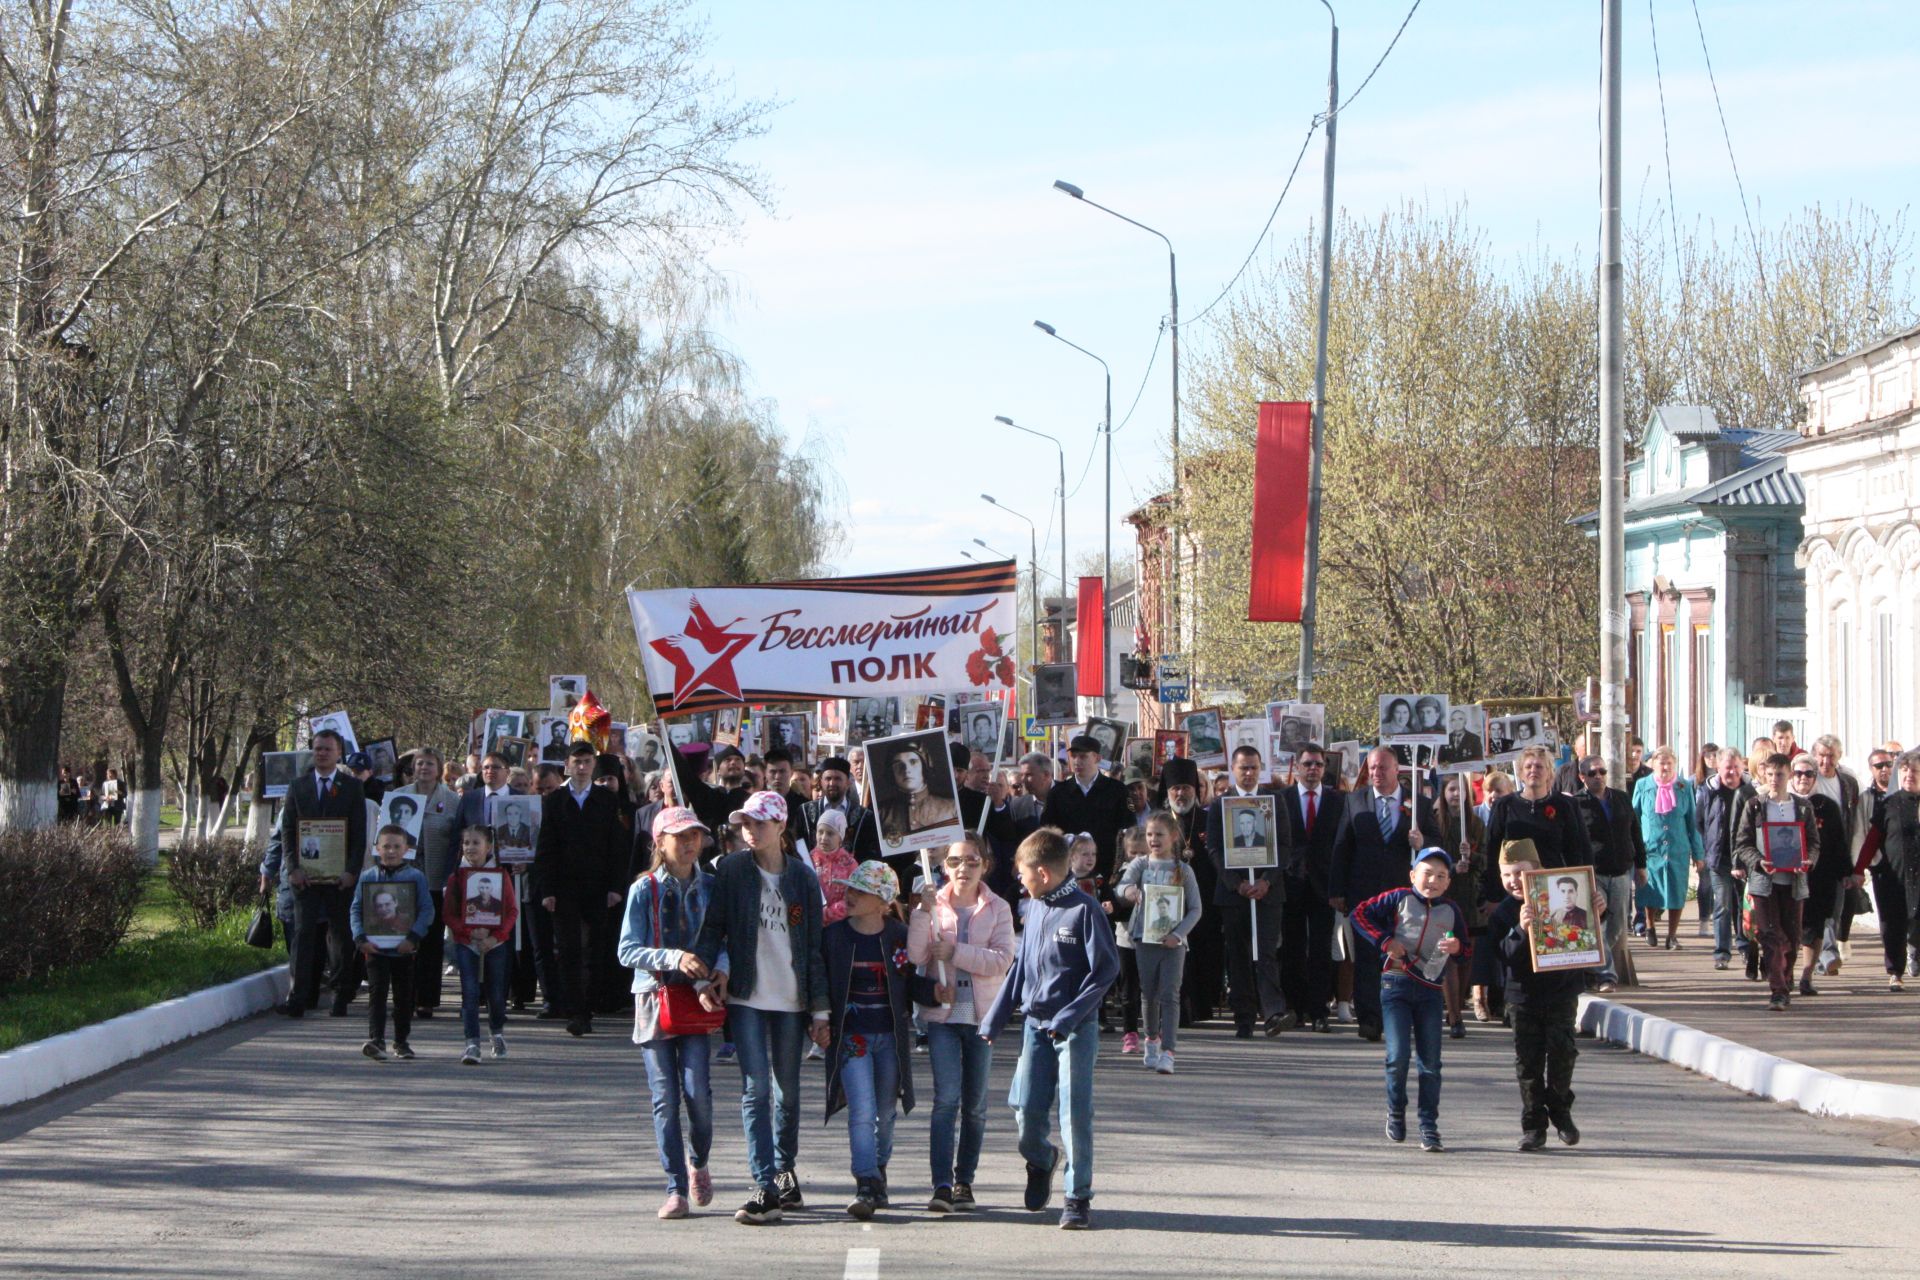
x: 1436, y: 964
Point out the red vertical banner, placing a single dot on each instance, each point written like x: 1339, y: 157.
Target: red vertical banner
x: 1090, y: 635
x: 1282, y: 454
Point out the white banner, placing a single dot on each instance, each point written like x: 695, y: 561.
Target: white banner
x: 931, y: 631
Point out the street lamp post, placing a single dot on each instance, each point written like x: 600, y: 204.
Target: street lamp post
x: 1033, y: 569
x: 1061, y: 450
x: 1173, y: 328
x: 1106, y: 571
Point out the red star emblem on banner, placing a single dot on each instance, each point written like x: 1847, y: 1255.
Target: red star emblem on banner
x: 702, y: 655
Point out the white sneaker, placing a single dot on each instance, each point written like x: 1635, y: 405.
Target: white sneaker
x: 471, y: 1057
x: 1150, y: 1056
x: 1343, y: 1011
x: 1164, y: 1063
x: 814, y: 1051
x: 499, y: 1046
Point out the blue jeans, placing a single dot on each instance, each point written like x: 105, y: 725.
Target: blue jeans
x: 1618, y: 893
x: 1060, y: 1069
x: 482, y: 975
x: 872, y: 1083
x: 677, y: 1073
x: 1726, y: 913
x: 961, y: 1063
x: 769, y: 1045
x: 1412, y: 1012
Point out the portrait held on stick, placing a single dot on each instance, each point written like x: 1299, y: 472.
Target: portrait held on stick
x: 912, y: 790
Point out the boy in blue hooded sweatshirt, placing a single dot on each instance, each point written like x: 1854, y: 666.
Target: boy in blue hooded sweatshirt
x: 376, y: 908
x: 1416, y: 930
x: 1060, y: 974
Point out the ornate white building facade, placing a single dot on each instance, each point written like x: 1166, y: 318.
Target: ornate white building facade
x: 1858, y: 460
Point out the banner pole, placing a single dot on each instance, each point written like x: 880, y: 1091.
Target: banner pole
x: 926, y: 876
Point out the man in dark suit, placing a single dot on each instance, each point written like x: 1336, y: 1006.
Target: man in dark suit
x: 1306, y: 932
x: 320, y: 906
x: 1371, y: 852
x: 1087, y: 800
x: 578, y: 872
x: 836, y: 792
x: 1250, y: 900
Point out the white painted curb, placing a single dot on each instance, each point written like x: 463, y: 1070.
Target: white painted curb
x: 1817, y: 1092
x: 45, y: 1065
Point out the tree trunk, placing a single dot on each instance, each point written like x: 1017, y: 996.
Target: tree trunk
x: 149, y: 793
x: 30, y: 718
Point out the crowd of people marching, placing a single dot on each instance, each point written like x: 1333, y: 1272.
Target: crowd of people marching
x: 741, y: 906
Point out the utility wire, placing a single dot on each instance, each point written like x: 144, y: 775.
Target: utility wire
x: 1673, y: 211
x: 1759, y: 262
x: 1152, y: 359
x: 1382, y: 59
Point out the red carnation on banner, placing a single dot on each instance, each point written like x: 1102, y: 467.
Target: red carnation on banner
x: 988, y: 663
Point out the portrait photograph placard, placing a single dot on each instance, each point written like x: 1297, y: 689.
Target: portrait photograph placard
x: 1206, y: 737
x: 503, y: 724
x: 339, y: 722
x: 551, y: 735
x: 1466, y: 734
x: 871, y: 718
x: 787, y: 730
x: 1054, y: 703
x: 1508, y: 735
x: 1246, y: 824
x: 726, y: 727
x: 387, y: 908
x: 1783, y: 847
x: 645, y: 749
x: 563, y: 692
x: 929, y: 712
x: 278, y: 769
x: 1140, y: 756
x: 1566, y: 929
x: 981, y: 727
x: 323, y: 848
x: 517, y: 752
x: 1168, y: 744
x: 1111, y: 735
x: 385, y: 758
x: 403, y: 809
x: 516, y: 827
x: 482, y: 897
x: 832, y: 728
x: 1248, y: 733
x: 1297, y: 724
x: 912, y: 792
x: 1162, y: 906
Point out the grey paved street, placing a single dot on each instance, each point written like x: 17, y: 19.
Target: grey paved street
x: 274, y: 1149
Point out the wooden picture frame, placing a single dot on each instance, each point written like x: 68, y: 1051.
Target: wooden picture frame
x: 377, y: 923
x: 1162, y: 907
x: 1168, y: 744
x: 1783, y: 847
x: 1566, y: 934
x: 1247, y: 830
x: 1206, y: 731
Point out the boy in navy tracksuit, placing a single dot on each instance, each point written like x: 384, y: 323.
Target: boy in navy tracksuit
x: 1417, y: 931
x: 378, y: 910
x: 1060, y: 975
x: 1543, y: 1006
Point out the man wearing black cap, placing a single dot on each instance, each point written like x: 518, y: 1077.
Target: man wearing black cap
x: 1206, y: 973
x: 836, y: 792
x: 1087, y: 800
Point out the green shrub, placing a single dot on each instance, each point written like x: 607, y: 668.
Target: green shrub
x: 212, y: 877
x: 67, y: 895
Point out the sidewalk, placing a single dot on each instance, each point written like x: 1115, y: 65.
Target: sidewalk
x: 1853, y: 1028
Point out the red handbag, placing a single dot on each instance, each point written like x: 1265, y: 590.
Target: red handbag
x: 681, y: 1013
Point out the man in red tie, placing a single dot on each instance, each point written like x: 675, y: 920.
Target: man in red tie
x: 1306, y: 931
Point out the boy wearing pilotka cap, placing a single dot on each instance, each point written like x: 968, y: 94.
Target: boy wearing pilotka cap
x: 1417, y: 931
x: 1543, y: 1006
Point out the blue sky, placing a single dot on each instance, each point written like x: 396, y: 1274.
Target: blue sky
x: 886, y: 304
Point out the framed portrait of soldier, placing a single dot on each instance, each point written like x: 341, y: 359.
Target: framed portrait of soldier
x: 1206, y: 737
x: 1168, y: 744
x: 1527, y: 730
x: 1162, y: 906
x: 278, y: 769
x: 384, y: 757
x: 387, y: 908
x: 982, y: 728
x: 726, y: 727
x: 517, y: 752
x: 1246, y: 823
x: 1111, y: 735
x: 912, y: 792
x: 339, y: 722
x: 1301, y: 723
x: 786, y: 730
x: 563, y: 692
x: 1248, y: 733
x: 1054, y: 702
x: 551, y: 737
x: 1565, y: 933
x: 402, y: 809
x: 1140, y: 756
x: 503, y: 724
x: 871, y: 718
x: 482, y: 897
x: 929, y: 712
x: 831, y: 730
x: 516, y: 827
x: 323, y: 848
x: 1466, y: 734
x: 1783, y: 847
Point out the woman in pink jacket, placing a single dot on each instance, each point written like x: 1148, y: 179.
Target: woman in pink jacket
x: 963, y: 934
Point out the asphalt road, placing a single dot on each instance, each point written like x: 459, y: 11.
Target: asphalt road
x: 274, y: 1149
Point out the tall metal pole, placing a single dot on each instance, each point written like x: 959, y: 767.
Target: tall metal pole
x: 1309, y: 605
x: 1033, y: 586
x: 1173, y: 297
x: 1613, y: 603
x: 1106, y: 570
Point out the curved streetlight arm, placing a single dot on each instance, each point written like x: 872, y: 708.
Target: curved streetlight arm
x: 1081, y: 196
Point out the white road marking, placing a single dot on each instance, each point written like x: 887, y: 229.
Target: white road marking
x: 863, y: 1264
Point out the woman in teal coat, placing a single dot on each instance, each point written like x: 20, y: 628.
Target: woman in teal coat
x: 1664, y: 804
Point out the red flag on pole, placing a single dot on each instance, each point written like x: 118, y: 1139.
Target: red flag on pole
x: 1090, y: 635
x: 1281, y: 457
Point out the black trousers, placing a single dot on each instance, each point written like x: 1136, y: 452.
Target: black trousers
x: 1128, y: 990
x: 386, y: 971
x: 1890, y: 904
x: 1543, y: 1054
x: 1253, y: 973
x: 426, y: 970
x: 1366, y: 982
x: 323, y: 935
x: 580, y: 935
x: 1306, y: 950
x: 533, y: 950
x: 1205, y: 974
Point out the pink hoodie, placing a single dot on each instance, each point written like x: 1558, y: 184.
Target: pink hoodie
x: 987, y: 957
